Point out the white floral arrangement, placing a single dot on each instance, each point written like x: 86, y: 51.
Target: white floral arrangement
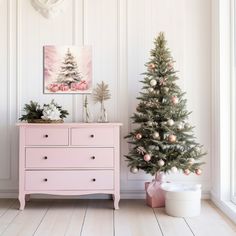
x: 51, y: 112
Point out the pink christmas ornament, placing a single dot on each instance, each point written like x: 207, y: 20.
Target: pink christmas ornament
x: 172, y: 138
x: 187, y: 172
x: 147, y: 157
x: 175, y: 100
x: 151, y: 66
x: 198, y: 171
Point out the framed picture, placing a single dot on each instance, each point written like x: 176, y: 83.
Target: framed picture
x: 67, y: 69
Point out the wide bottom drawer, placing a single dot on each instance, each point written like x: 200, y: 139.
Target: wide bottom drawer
x: 69, y: 180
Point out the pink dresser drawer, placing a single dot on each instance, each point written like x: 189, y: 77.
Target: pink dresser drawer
x: 69, y: 180
x: 96, y: 136
x: 69, y: 157
x: 46, y: 136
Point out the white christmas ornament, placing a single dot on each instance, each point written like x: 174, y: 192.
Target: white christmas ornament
x: 161, y: 163
x: 187, y: 126
x: 150, y: 90
x: 153, y: 82
x: 170, y: 122
x: 49, y: 8
x: 166, y: 89
x: 156, y: 135
x: 180, y: 126
x: 174, y: 169
x: 149, y: 123
x: 134, y: 170
x: 191, y: 161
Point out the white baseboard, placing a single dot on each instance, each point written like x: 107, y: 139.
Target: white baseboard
x: 128, y: 194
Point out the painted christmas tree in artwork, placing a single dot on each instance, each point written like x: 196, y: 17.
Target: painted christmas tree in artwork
x: 69, y: 72
x: 163, y: 140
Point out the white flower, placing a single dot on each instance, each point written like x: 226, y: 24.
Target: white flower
x: 51, y: 112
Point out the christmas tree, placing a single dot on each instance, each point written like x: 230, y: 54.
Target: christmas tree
x: 163, y: 140
x: 69, y: 72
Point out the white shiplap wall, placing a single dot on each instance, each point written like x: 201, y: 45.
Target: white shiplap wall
x: 121, y: 33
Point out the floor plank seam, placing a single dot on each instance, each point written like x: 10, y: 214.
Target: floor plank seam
x: 10, y: 206
x: 158, y: 223
x: 189, y: 226
x: 19, y: 211
x: 50, y: 205
x: 82, y: 226
x: 68, y: 224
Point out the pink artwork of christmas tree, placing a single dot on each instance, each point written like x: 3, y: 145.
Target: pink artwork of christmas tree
x: 67, y: 69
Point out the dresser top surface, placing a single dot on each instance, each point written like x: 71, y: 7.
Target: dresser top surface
x: 74, y: 124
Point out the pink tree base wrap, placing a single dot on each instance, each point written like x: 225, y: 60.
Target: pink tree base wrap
x: 154, y: 194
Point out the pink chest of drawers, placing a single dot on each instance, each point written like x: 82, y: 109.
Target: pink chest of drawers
x: 69, y: 159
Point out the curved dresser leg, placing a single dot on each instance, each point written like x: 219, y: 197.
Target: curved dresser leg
x: 21, y: 199
x: 116, y: 198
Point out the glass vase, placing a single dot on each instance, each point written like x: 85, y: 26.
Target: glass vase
x: 87, y: 118
x: 102, y: 118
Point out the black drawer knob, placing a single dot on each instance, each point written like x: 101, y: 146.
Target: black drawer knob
x: 45, y: 158
x: 45, y: 180
x: 93, y: 157
x: 93, y: 180
x: 46, y: 135
x: 92, y: 135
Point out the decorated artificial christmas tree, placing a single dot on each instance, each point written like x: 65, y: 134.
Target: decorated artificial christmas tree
x: 163, y: 140
x: 69, y: 72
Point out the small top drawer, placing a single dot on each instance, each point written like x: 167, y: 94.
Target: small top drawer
x: 96, y: 136
x: 46, y: 136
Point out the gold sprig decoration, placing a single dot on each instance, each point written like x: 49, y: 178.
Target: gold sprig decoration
x: 101, y: 93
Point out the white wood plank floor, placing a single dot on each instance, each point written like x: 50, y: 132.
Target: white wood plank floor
x: 97, y: 218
